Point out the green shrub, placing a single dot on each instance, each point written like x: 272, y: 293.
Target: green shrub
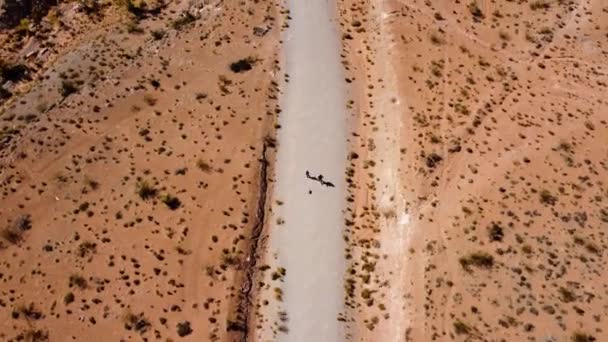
x: 23, y: 27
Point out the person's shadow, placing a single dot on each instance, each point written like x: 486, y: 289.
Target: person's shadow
x: 319, y: 179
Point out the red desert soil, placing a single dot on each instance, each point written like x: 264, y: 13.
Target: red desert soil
x: 479, y: 169
x: 132, y: 169
x: 131, y: 140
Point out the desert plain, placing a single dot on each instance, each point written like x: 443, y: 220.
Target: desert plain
x: 263, y: 170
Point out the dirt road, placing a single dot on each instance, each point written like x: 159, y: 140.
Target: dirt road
x: 312, y: 138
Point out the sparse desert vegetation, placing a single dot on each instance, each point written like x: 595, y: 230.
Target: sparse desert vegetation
x: 493, y: 180
x: 132, y: 135
x: 111, y: 229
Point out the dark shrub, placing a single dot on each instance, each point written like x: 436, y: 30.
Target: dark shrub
x: 243, y: 65
x: 184, y: 329
x: 13, y: 72
x: 496, y: 233
x: 171, y: 201
x: 477, y: 259
x: 68, y: 88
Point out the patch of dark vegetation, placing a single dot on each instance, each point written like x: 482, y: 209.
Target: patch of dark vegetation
x: 24, y: 222
x: 496, y: 233
x: 184, y: 20
x: 145, y: 190
x: 14, y: 232
x: 184, y: 329
x: 142, y: 9
x: 476, y: 11
x: 260, y: 31
x: 582, y: 337
x: 243, y: 65
x: 566, y: 295
x: 91, y: 183
x: 28, y: 312
x: 171, y: 201
x: 68, y: 88
x: 547, y: 198
x: 150, y: 100
x: 461, y: 328
x: 11, y: 235
x: 68, y: 298
x: 270, y: 142
x: 436, y: 39
x: 86, y: 248
x: 91, y: 7
x: 235, y: 326
x: 432, y: 160
x: 13, y: 72
x: 78, y: 281
x: 477, y: 259
x: 34, y: 335
x: 27, y: 118
x: 204, y: 166
x: 6, y: 136
x: 604, y: 215
x: 133, y: 27
x: 279, y: 273
x: 157, y: 34
x: 540, y: 4
x: 138, y: 323
x: 14, y: 11
x: 5, y: 94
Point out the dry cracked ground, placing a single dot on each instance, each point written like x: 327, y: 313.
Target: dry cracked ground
x: 135, y: 139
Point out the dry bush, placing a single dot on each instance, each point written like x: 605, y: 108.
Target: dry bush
x: 477, y: 259
x: 145, y: 190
